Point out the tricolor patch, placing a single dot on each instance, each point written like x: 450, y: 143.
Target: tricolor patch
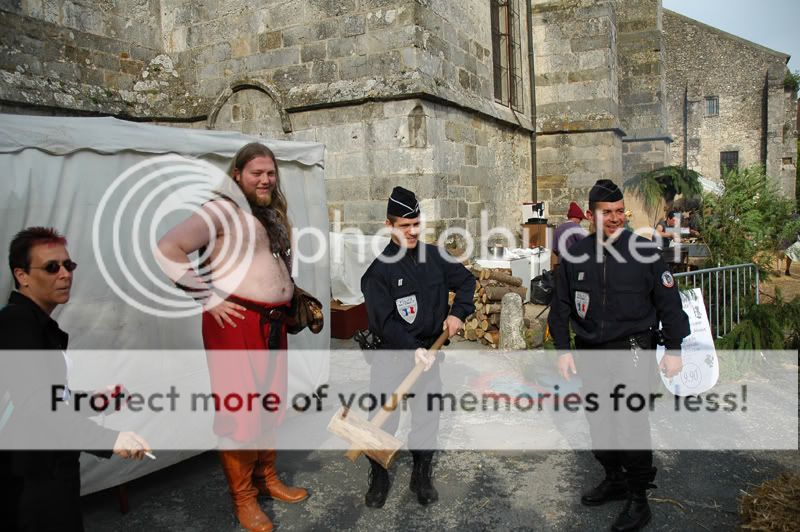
x: 581, y: 303
x: 407, y: 308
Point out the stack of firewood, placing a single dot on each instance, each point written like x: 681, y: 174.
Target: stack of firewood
x: 491, y: 286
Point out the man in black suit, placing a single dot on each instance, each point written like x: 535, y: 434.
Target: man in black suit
x: 44, y: 485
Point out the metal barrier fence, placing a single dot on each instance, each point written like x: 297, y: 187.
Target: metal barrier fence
x: 726, y: 290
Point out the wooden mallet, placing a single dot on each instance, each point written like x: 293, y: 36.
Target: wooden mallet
x: 366, y: 436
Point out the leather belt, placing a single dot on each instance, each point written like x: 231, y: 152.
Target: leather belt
x: 275, y: 316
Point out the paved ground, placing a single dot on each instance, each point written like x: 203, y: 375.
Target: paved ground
x: 479, y: 490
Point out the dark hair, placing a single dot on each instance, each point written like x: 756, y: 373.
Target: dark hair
x: 671, y: 214
x: 592, y: 206
x: 19, y: 251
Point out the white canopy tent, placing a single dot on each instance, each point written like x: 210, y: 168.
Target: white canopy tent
x: 58, y: 171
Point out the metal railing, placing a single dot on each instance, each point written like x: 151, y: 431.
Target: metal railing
x: 726, y: 290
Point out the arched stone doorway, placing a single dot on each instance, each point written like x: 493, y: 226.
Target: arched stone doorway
x: 252, y: 108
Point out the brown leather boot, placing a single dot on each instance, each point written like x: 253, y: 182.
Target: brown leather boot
x: 238, y: 467
x: 268, y: 483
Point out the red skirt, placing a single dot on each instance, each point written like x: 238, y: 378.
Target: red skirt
x: 246, y: 382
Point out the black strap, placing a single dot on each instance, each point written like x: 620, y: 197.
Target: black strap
x: 275, y: 316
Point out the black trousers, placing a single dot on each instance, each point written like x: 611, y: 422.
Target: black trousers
x: 387, y: 371
x: 619, y: 428
x: 46, y: 496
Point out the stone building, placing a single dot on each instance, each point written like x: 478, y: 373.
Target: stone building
x: 611, y: 82
x: 727, y: 104
x: 400, y: 91
x: 434, y: 95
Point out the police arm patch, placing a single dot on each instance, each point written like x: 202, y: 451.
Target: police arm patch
x: 407, y: 308
x: 581, y: 303
x: 667, y: 280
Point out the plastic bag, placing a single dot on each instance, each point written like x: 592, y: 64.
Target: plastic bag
x: 542, y: 288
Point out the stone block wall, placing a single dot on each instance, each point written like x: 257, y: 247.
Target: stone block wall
x: 575, y: 60
x: 309, y: 52
x: 458, y: 164
x: 454, y: 57
x: 99, y: 56
x: 577, y: 99
x: 347, y: 73
x: 754, y: 116
x: 641, y: 65
x: 781, y: 141
x: 570, y: 163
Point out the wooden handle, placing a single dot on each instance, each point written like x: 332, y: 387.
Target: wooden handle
x: 407, y: 383
x: 381, y: 417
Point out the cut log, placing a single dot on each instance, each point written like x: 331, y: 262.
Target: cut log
x: 484, y: 325
x: 492, y: 308
x: 479, y: 333
x: 492, y: 336
x: 494, y: 319
x: 496, y: 293
x: 510, y: 280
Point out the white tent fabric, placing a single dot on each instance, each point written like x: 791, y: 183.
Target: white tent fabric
x: 62, y: 136
x: 56, y: 172
x: 351, y: 254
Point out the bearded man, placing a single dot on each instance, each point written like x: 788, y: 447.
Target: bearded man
x: 245, y: 308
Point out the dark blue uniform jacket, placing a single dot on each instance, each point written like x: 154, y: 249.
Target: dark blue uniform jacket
x: 611, y: 299
x: 407, y: 301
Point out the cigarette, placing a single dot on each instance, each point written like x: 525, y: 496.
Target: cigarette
x: 151, y: 456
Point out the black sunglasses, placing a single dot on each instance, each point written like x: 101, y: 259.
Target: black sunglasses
x: 53, y: 267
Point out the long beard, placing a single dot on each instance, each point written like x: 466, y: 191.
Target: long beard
x: 277, y: 232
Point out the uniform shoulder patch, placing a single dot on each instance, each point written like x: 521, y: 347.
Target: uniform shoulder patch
x: 667, y: 280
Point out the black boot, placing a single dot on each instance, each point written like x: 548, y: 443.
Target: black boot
x: 612, y: 488
x: 378, y: 485
x: 635, y: 514
x: 421, y: 482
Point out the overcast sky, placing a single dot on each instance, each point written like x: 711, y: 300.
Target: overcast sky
x: 770, y: 23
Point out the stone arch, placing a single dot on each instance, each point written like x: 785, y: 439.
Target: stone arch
x: 252, y: 107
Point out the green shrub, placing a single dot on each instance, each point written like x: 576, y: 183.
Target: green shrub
x: 769, y: 326
x: 749, y: 222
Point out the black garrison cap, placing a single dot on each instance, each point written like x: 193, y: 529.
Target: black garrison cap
x: 402, y: 204
x: 605, y: 190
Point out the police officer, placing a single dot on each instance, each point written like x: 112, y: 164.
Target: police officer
x: 613, y: 288
x: 406, y: 294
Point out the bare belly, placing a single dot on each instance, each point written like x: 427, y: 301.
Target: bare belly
x: 265, y: 279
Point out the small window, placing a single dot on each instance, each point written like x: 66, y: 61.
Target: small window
x: 506, y: 53
x: 728, y: 160
x: 712, y: 105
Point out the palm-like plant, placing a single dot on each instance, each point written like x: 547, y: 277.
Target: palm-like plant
x: 663, y: 184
